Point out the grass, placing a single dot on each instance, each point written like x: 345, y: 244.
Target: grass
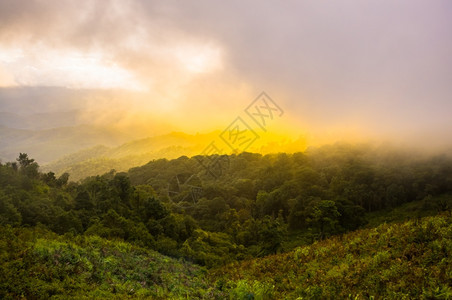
x: 409, y: 260
x: 37, y: 264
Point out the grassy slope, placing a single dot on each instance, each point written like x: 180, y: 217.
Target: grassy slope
x: 36, y: 264
x: 430, y: 206
x: 408, y: 260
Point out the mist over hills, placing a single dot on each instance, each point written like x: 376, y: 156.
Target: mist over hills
x: 51, y: 122
x: 50, y: 144
x: 39, y: 121
x: 89, y: 132
x: 99, y: 159
x: 35, y: 100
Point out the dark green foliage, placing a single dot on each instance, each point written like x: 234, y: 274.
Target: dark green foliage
x: 324, y: 217
x: 259, y: 206
x: 271, y: 234
x: 154, y: 209
x: 9, y: 215
x: 257, y: 201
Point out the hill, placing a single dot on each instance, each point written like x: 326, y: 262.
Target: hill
x: 38, y: 264
x: 410, y: 260
x: 99, y: 159
x: 256, y: 205
x: 46, y: 145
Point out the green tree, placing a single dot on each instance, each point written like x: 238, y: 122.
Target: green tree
x: 62, y: 180
x: 8, y: 212
x: 324, y: 217
x: 272, y: 233
x: 28, y: 166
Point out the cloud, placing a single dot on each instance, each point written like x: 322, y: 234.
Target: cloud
x: 6, y: 79
x: 380, y: 65
x: 63, y: 37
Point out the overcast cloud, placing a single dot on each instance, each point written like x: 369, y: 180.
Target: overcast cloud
x: 383, y: 67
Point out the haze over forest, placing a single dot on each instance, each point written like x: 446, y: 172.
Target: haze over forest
x: 373, y: 71
x: 225, y: 150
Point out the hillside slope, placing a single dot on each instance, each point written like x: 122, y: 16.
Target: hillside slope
x: 98, y: 160
x: 37, y: 264
x: 49, y: 144
x: 411, y: 260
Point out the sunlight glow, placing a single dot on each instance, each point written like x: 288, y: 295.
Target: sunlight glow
x: 199, y: 59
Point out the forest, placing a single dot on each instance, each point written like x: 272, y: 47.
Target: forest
x: 218, y: 220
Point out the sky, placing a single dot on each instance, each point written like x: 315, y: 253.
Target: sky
x: 351, y: 69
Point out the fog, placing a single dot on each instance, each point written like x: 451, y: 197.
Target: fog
x: 357, y: 71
